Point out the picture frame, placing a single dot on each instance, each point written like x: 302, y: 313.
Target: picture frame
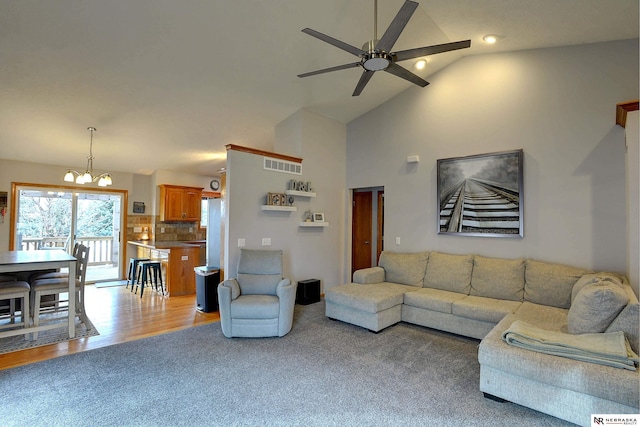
x: 481, y: 195
x: 318, y: 217
x: 273, y: 199
x: 138, y: 207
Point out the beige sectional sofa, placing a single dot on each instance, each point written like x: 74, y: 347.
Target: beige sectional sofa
x: 482, y: 297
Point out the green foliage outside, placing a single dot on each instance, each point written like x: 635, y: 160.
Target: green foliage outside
x: 51, y: 217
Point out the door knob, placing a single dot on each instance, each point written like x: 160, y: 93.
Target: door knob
x: 366, y: 242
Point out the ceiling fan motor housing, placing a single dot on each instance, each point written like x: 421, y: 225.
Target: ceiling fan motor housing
x: 376, y: 61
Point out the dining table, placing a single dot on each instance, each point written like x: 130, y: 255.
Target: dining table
x: 25, y: 261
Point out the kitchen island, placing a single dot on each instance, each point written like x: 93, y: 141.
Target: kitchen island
x: 178, y: 262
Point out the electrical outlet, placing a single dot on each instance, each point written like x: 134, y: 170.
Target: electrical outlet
x: 397, y: 241
x: 241, y: 243
x: 137, y: 229
x: 162, y: 229
x: 190, y: 229
x: 266, y: 241
x: 185, y: 258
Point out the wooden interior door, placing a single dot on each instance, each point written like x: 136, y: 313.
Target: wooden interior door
x: 361, y: 230
x: 380, y: 226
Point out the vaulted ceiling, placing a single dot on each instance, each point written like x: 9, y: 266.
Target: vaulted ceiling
x: 169, y: 83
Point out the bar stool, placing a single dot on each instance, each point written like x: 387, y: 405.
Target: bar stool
x: 151, y: 272
x: 12, y: 290
x: 133, y: 270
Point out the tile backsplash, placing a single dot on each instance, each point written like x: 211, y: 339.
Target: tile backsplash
x: 149, y: 227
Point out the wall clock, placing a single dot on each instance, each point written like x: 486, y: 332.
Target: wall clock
x: 214, y: 184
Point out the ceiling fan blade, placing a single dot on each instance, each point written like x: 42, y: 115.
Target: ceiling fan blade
x: 397, y: 70
x: 403, y: 55
x: 335, y: 42
x: 328, y: 70
x: 397, y: 25
x: 364, y: 79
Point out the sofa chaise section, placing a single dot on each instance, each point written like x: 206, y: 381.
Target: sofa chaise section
x: 374, y: 299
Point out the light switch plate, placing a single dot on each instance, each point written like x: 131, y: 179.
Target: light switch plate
x: 266, y: 241
x: 137, y: 229
x: 241, y: 243
x: 397, y: 240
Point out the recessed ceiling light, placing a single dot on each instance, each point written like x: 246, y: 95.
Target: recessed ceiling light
x: 420, y: 64
x: 490, y: 38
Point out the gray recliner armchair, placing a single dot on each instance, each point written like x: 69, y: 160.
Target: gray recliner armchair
x: 259, y: 302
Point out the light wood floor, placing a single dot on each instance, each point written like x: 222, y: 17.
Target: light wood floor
x: 120, y: 316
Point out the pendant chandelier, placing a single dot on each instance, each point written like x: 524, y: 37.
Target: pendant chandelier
x: 88, y: 177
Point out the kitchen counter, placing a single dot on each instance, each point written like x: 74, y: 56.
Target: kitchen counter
x: 163, y: 245
x: 178, y: 259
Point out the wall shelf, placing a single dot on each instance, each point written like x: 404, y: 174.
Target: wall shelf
x: 314, y: 224
x: 278, y: 208
x: 299, y: 193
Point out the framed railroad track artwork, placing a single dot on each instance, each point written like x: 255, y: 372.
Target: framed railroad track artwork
x: 481, y: 195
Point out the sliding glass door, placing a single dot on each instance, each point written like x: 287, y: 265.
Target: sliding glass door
x: 57, y: 218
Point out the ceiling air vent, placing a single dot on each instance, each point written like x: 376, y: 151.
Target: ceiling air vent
x: 282, y: 166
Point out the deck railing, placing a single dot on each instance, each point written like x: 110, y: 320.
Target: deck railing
x: 101, y: 250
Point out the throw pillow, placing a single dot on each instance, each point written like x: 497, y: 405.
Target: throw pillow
x: 587, y: 279
x: 628, y: 321
x: 595, y: 307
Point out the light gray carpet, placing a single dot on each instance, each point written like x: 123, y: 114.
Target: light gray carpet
x: 323, y: 373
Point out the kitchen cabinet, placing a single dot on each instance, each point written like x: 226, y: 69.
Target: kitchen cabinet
x: 179, y: 203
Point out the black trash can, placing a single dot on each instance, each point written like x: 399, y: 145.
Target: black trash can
x: 207, y: 280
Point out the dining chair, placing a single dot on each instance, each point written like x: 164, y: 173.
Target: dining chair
x: 54, y: 274
x: 10, y: 291
x: 58, y: 286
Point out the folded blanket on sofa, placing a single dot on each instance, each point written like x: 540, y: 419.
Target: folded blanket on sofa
x: 610, y: 348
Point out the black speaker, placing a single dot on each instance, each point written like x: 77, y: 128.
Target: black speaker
x: 308, y: 292
x: 207, y: 280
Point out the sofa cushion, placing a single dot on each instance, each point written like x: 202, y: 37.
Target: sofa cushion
x: 432, y: 299
x: 498, y: 278
x: 550, y: 284
x: 404, y: 268
x: 595, y: 307
x: 543, y: 316
x: 449, y: 272
x: 485, y: 309
x: 371, y: 298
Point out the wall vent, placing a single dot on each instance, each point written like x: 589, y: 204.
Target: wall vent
x: 282, y: 166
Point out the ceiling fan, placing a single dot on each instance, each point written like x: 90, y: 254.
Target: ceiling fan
x: 376, y: 54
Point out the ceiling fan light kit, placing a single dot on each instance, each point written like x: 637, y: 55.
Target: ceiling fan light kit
x: 376, y: 55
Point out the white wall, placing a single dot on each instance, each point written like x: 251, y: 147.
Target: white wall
x: 633, y: 197
x: 308, y: 252
x: 557, y: 104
